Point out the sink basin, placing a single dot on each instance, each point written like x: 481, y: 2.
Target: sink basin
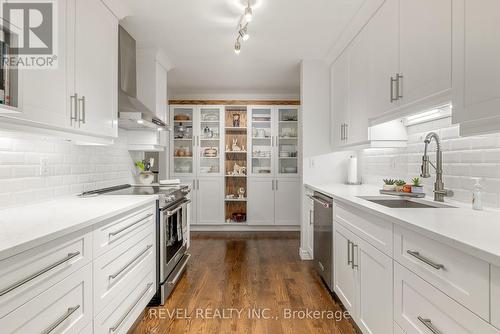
x: 404, y: 203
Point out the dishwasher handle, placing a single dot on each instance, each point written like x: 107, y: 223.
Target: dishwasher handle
x: 324, y: 203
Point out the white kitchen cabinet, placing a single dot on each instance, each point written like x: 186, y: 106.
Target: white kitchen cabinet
x: 260, y: 201
x: 193, y: 197
x: 421, y: 308
x: 495, y: 296
x: 96, y: 67
x: 425, y: 50
x: 209, y: 200
x: 344, y: 275
x: 476, y: 70
x: 307, y: 229
x: 383, y: 58
x: 375, y: 296
x: 152, y: 83
x: 340, y: 98
x: 287, y: 199
x: 262, y: 144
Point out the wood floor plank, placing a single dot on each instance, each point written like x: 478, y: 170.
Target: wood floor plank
x: 245, y: 272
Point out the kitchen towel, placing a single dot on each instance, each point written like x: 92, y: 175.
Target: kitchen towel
x: 352, y: 170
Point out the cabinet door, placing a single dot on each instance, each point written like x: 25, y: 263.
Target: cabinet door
x: 344, y: 275
x: 357, y: 125
x: 210, y: 199
x: 96, y: 67
x: 308, y: 223
x: 45, y: 94
x: 340, y: 97
x: 183, y: 143
x: 495, y: 296
x: 260, y: 201
x: 383, y: 51
x: 287, y: 201
x: 287, y: 142
x: 425, y: 49
x: 209, y: 154
x: 375, y: 308
x: 476, y: 69
x: 262, y: 142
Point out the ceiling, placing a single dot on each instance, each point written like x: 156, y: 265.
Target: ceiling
x: 198, y: 37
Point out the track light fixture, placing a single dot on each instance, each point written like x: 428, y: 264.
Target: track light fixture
x: 243, y: 28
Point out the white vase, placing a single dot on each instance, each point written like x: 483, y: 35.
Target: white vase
x: 146, y: 177
x: 417, y: 189
x: 389, y: 187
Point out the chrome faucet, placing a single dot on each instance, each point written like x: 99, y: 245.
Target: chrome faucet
x: 439, y: 191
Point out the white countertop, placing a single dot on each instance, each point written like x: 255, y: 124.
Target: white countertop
x: 28, y: 226
x: 474, y: 232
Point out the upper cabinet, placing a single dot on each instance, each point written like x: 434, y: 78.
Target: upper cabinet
x: 152, y: 83
x: 476, y: 66
x: 80, y: 95
x: 400, y: 62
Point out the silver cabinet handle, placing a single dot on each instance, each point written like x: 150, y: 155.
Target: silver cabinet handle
x: 122, y: 269
x: 81, y: 115
x: 393, y: 81
x: 353, y: 246
x: 122, y: 319
x: 73, y: 108
x: 38, y: 273
x: 59, y: 321
x: 276, y: 184
x: 310, y: 217
x: 272, y: 185
x: 349, y: 260
x: 346, y: 132
x: 341, y: 132
x: 325, y: 204
x: 112, y: 234
x: 198, y: 184
x: 425, y: 260
x: 399, y: 86
x: 428, y: 323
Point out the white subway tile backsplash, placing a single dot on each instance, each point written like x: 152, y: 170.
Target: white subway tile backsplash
x: 72, y: 168
x: 464, y: 159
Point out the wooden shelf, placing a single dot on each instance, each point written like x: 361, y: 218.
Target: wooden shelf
x: 236, y: 152
x: 235, y: 200
x: 242, y: 176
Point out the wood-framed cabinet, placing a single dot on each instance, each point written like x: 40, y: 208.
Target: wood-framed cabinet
x: 80, y: 95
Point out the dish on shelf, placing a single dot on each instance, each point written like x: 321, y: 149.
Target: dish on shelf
x: 205, y: 169
x: 239, y: 217
x: 182, y: 117
x: 210, y: 117
x: 210, y: 152
x: 261, y: 118
x: 285, y: 154
x: 290, y: 169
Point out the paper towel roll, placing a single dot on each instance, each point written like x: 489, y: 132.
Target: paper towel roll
x: 352, y: 170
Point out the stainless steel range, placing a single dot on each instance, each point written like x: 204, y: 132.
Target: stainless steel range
x: 171, y: 231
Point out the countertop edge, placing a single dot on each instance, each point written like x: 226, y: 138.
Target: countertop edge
x: 482, y: 254
x: 26, y: 245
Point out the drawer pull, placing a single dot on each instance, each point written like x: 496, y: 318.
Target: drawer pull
x: 115, y: 275
x: 35, y: 275
x: 428, y: 323
x: 122, y: 319
x: 59, y: 321
x: 112, y: 234
x: 180, y: 271
x: 425, y: 260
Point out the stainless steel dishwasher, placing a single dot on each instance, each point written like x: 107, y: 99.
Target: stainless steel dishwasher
x: 323, y: 237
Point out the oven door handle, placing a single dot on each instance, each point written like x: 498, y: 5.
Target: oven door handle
x: 172, y: 212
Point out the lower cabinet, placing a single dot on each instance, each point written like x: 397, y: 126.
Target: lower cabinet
x: 274, y: 201
x: 307, y: 229
x: 421, y: 308
x: 363, y: 282
x: 210, y: 200
x: 495, y: 296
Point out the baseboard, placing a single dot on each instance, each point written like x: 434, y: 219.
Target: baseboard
x: 240, y: 228
x: 304, y: 255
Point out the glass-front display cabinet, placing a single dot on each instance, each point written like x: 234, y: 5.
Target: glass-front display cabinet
x: 262, y: 141
x: 183, y: 140
x: 288, y: 140
x: 209, y: 141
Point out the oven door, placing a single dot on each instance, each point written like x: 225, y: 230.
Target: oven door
x: 172, y: 239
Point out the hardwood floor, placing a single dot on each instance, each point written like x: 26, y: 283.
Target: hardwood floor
x: 244, y: 272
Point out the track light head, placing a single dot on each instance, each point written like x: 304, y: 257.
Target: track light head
x: 237, y: 46
x: 248, y: 13
x: 243, y: 32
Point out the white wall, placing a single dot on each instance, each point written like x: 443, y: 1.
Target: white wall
x: 72, y: 168
x: 464, y: 158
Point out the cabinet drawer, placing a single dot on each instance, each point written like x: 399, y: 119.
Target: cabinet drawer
x: 123, y: 311
x: 421, y: 308
x: 120, y: 228
x: 64, y: 308
x: 27, y: 274
x: 116, y: 268
x: 376, y: 231
x: 459, y: 275
x: 495, y: 296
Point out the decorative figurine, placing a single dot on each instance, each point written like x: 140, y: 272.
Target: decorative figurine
x: 235, y: 146
x: 236, y: 120
x: 241, y: 193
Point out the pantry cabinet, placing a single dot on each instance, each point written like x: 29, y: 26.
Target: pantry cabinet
x: 287, y: 199
x: 82, y: 94
x: 209, y: 200
x: 476, y: 70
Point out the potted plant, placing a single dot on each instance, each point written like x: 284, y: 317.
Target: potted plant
x: 389, y: 185
x: 399, y: 185
x: 417, y: 187
x: 145, y: 176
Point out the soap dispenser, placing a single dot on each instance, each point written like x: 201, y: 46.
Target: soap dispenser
x: 477, y: 200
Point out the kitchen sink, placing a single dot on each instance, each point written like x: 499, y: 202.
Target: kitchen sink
x: 403, y: 203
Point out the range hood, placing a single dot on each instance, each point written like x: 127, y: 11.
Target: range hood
x: 132, y: 113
